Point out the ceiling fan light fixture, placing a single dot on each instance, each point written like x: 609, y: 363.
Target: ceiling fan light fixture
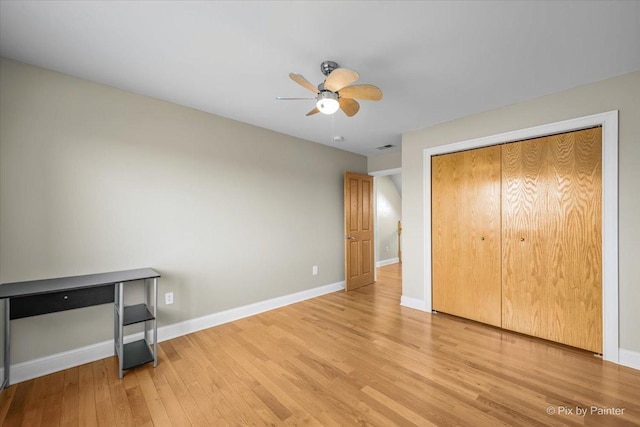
x: 327, y: 102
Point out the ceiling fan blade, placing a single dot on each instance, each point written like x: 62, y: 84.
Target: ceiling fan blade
x: 349, y: 106
x: 339, y: 78
x: 314, y: 111
x: 303, y: 82
x: 366, y: 92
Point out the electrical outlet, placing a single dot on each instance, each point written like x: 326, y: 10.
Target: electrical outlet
x: 314, y: 270
x: 168, y: 298
x: 387, y: 248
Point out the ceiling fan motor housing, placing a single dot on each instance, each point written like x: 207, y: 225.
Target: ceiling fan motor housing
x: 327, y: 94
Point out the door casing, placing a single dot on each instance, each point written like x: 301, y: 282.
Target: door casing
x: 385, y: 172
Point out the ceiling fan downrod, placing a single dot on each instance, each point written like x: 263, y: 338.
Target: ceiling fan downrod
x: 327, y: 67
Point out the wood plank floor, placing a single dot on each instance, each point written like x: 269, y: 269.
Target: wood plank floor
x: 342, y: 359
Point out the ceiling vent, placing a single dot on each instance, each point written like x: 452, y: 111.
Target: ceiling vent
x: 385, y: 147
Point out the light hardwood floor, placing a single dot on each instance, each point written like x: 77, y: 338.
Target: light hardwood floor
x: 343, y: 359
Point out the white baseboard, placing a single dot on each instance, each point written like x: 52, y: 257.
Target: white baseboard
x: 56, y: 362
x: 192, y: 325
x: 387, y: 262
x: 629, y: 358
x: 415, y: 303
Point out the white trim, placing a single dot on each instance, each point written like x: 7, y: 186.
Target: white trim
x: 375, y: 228
x: 56, y: 362
x: 414, y: 303
x: 389, y: 261
x: 609, y: 123
x: 630, y: 358
x: 385, y: 172
x: 215, y: 319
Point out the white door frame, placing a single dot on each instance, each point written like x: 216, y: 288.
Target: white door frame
x: 609, y: 123
x: 385, y: 172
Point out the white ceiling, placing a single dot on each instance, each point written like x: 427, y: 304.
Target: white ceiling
x: 434, y: 61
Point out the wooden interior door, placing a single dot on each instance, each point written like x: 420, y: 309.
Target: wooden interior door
x: 358, y: 230
x: 552, y: 239
x: 466, y: 234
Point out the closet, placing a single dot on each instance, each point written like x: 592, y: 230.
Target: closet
x: 516, y: 236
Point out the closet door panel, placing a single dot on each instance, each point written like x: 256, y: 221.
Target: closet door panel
x: 447, y: 201
x: 575, y: 239
x: 466, y: 234
x: 524, y: 291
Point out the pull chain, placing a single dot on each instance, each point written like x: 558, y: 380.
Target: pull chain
x: 333, y: 131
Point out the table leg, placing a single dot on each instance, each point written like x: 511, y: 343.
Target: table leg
x: 146, y: 304
x: 155, y: 322
x: 121, y: 329
x: 115, y: 320
x: 7, y: 343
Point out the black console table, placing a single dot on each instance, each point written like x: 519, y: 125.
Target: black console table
x: 32, y: 298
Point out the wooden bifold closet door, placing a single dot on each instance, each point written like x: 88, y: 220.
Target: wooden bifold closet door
x: 552, y: 239
x: 466, y: 234
x: 516, y: 236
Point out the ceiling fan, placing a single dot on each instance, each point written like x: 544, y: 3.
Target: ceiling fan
x: 337, y: 91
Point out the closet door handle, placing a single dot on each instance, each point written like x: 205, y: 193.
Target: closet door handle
x: 481, y: 238
x: 522, y: 239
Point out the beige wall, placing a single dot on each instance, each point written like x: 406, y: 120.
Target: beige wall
x: 383, y: 162
x: 96, y: 179
x: 388, y: 213
x: 621, y: 93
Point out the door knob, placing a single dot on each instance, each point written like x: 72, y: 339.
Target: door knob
x: 522, y: 239
x: 482, y: 238
x: 350, y: 237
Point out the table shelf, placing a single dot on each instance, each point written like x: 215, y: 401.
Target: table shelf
x: 135, y: 314
x: 136, y: 353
